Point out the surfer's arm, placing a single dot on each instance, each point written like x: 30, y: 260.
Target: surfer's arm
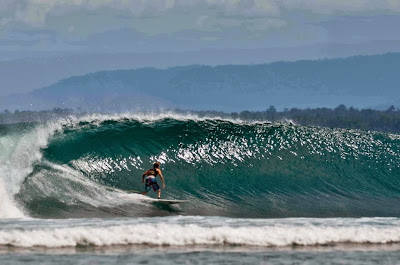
x: 162, y: 179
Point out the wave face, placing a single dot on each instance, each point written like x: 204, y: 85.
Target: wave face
x: 224, y: 168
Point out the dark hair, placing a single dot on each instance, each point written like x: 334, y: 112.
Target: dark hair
x: 156, y: 165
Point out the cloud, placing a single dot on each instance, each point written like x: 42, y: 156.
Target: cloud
x: 324, y: 7
x: 194, y: 13
x: 76, y: 22
x: 152, y: 17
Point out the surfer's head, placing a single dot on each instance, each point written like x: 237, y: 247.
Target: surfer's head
x: 156, y: 165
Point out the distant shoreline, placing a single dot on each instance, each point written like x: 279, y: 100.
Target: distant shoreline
x: 358, y: 81
x: 339, y: 117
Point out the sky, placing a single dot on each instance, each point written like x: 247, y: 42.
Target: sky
x: 45, y: 40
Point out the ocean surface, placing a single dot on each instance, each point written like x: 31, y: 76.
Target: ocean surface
x: 259, y: 193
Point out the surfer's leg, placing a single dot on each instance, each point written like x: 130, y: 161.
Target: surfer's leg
x: 147, y: 188
x: 156, y: 188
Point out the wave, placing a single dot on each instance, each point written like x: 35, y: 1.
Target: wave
x: 78, y: 167
x: 20, y: 148
x: 191, y: 231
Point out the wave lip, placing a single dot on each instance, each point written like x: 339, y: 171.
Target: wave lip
x: 191, y: 231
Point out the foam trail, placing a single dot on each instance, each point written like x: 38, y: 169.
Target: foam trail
x: 76, y: 188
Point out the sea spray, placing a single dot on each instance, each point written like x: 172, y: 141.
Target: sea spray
x: 20, y: 148
x: 7, y: 207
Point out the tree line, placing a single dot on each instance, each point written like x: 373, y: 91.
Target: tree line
x: 33, y: 116
x: 340, y: 117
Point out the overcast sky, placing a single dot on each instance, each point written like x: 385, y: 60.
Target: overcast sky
x: 30, y: 26
x: 279, y: 29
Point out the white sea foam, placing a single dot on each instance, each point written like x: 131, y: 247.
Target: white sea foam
x: 174, y: 234
x: 7, y: 207
x: 150, y: 117
x: 19, y: 151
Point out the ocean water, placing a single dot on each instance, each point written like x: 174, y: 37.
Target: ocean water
x: 260, y: 193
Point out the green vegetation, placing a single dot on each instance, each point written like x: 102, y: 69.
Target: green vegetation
x: 360, y: 81
x: 33, y: 116
x: 340, y: 117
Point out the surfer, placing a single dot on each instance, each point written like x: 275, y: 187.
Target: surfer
x: 151, y: 182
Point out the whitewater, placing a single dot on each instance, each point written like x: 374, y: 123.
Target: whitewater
x: 253, y: 187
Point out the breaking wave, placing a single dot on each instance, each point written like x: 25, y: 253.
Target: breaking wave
x: 79, y: 167
x: 191, y: 231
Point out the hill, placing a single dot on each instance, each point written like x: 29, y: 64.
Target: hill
x: 360, y: 81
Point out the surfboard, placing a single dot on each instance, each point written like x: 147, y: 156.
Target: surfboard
x: 132, y: 191
x: 159, y: 201
x: 162, y: 201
